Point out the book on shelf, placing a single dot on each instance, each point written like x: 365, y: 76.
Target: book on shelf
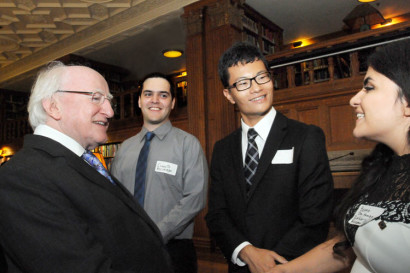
x: 250, y: 39
x: 249, y: 24
x: 321, y: 75
x: 108, y: 150
x: 268, y: 47
x: 268, y: 34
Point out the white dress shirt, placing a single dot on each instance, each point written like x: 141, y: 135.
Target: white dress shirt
x: 66, y: 141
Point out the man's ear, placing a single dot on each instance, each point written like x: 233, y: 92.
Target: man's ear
x: 52, y: 108
x: 228, y: 96
x: 173, y: 103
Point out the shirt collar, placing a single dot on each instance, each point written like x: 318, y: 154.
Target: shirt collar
x: 263, y: 126
x: 159, y: 132
x: 63, y: 139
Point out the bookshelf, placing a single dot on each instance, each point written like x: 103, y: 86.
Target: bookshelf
x: 260, y: 31
x: 107, y: 151
x: 322, y: 69
x: 15, y: 105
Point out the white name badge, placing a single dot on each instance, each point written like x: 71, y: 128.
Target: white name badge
x: 365, y: 214
x: 166, y: 167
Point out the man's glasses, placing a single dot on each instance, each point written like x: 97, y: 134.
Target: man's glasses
x: 244, y: 84
x: 96, y: 97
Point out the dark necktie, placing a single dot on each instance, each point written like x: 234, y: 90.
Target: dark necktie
x: 251, y: 158
x: 139, y: 190
x: 93, y: 161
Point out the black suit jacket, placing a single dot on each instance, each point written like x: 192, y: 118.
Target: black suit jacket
x: 288, y: 207
x: 58, y: 214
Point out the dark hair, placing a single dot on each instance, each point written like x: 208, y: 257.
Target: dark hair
x: 157, y: 75
x: 240, y: 52
x: 393, y: 62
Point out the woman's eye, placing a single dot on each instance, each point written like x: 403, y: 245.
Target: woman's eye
x: 368, y: 88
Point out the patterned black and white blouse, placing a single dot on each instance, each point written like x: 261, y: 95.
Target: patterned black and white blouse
x: 378, y: 226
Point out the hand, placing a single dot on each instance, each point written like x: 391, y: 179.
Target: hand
x: 260, y: 260
x: 278, y: 269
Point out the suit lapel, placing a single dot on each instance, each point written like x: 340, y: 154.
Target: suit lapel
x: 57, y: 150
x: 236, y: 156
x: 275, y: 137
x: 118, y: 190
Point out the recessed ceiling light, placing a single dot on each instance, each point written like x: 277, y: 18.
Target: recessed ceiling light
x: 366, y: 1
x: 172, y: 53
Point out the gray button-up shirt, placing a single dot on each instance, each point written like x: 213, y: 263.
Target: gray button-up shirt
x: 176, y: 178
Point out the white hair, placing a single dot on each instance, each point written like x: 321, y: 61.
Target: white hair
x: 46, y: 84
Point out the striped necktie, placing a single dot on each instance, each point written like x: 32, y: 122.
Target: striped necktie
x: 251, y: 158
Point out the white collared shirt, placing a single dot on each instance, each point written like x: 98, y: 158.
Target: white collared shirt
x: 262, y: 128
x: 66, y: 141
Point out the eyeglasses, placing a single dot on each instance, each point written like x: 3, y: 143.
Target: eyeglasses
x: 96, y: 97
x: 244, y: 84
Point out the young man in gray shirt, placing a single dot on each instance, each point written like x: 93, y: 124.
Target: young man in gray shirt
x: 175, y: 169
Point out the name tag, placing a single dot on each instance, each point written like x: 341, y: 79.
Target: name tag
x: 365, y: 214
x: 283, y: 157
x: 166, y: 167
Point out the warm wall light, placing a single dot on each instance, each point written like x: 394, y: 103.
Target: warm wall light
x: 182, y: 74
x: 387, y: 22
x: 366, y: 1
x: 172, y: 53
x: 301, y: 42
x: 6, y: 151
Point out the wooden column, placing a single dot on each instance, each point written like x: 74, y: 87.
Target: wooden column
x: 212, y: 27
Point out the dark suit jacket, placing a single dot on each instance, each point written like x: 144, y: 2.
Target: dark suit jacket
x: 288, y: 206
x: 58, y: 214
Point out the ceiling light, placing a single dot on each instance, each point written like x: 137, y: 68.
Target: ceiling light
x: 366, y: 1
x: 172, y: 53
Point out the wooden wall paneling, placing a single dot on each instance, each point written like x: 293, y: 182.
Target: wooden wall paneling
x: 288, y: 110
x: 212, y: 27
x: 309, y: 115
x: 340, y: 126
x: 290, y: 76
x: 331, y: 113
x: 331, y: 68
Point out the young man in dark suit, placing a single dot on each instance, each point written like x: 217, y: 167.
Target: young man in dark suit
x: 271, y: 187
x: 60, y: 210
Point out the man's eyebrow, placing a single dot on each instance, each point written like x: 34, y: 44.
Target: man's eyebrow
x: 162, y: 91
x: 246, y: 78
